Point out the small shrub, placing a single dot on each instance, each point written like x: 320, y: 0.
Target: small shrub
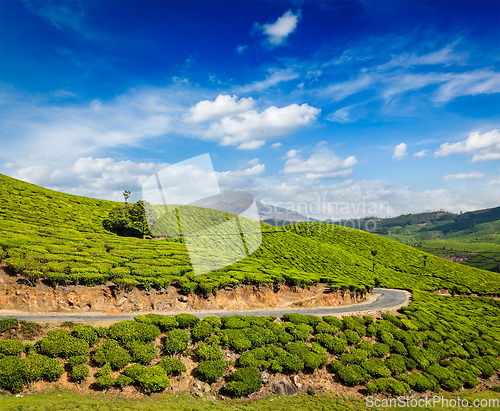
x: 105, y: 381
x: 244, y: 381
x: 352, y: 336
x: 211, y: 371
x: 111, y: 352
x: 353, y: 375
x: 122, y: 381
x: 126, y: 331
x: 175, y: 341
x: 8, y: 324
x: 11, y: 347
x: 187, y: 320
x: 52, y: 369
x: 148, y: 379
x: 398, y: 387
x: 396, y: 364
x: 11, y: 374
x: 313, y: 361
x: 208, y: 352
x: 77, y: 360
x: 202, y: 330
x: 172, y: 366
x: 80, y: 372
x: 335, y: 366
x: 141, y: 353
x: 163, y: 322
x: 378, y: 385
x: 87, y: 333
x: 376, y: 368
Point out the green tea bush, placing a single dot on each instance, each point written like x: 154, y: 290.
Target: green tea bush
x: 87, y: 333
x: 148, y: 379
x: 259, y: 336
x: 52, y: 369
x: 313, y: 361
x: 379, y: 385
x: 80, y: 372
x: 61, y: 343
x: 77, y: 360
x: 141, y: 353
x: 398, y: 387
x: 298, y: 348
x: 353, y: 375
x: 381, y: 349
x: 335, y: 366
x: 399, y: 348
x: 419, y: 356
x: 209, y: 352
x: 163, y: 322
x: 376, y: 368
x: 352, y: 336
x: 235, y: 340
x: 187, y: 320
x: 396, y: 364
x: 128, y: 330
x: 211, y: 371
x: 8, y: 324
x: 334, y: 321
x: 311, y: 320
x: 175, y: 341
x: 172, y: 366
x: 11, y: 347
x: 301, y: 332
x: 440, y: 373
x: 324, y: 327
x: 122, y: 381
x: 386, y: 337
x: 12, y: 373
x: 202, y: 330
x: 244, y: 381
x: 105, y: 381
x: 486, y: 369
x: 359, y: 355
x: 368, y: 347
x: 110, y: 352
x: 417, y: 381
x: 33, y: 366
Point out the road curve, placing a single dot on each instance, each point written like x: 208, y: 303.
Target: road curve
x: 387, y: 299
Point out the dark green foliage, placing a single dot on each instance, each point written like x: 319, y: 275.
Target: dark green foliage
x: 8, y: 324
x: 311, y: 320
x: 368, y: 347
x: 175, y: 341
x: 202, y: 330
x: 399, y: 348
x: 172, y: 366
x: 187, y: 320
x: 386, y: 337
x: 324, y: 327
x: 485, y: 368
x: 11, y: 347
x: 110, y: 352
x: 77, y: 360
x: 127, y: 220
x: 80, y: 372
x: 163, y: 322
x: 87, y: 333
x: 52, y: 369
x: 353, y: 375
x: 209, y: 352
x: 417, y: 381
x: 419, y: 355
x: 334, y: 321
x: 300, y: 332
x: 141, y: 353
x: 211, y: 371
x: 378, y: 385
x: 126, y: 331
x: 376, y: 368
x: 352, y: 336
x: 335, y: 366
x: 122, y: 381
x: 396, y: 364
x: 12, y: 373
x: 381, y: 349
x: 398, y: 387
x: 61, y: 343
x: 236, y: 340
x: 105, y: 381
x: 148, y: 379
x: 313, y: 361
x: 244, y: 381
x: 332, y: 344
x: 33, y: 366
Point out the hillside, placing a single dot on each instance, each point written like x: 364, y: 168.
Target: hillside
x: 59, y: 237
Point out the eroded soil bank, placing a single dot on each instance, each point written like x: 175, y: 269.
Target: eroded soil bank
x: 16, y: 294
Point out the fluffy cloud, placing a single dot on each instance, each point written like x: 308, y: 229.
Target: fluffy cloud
x: 483, y: 147
x: 222, y: 106
x: 322, y: 164
x: 94, y: 177
x: 273, y: 78
x: 421, y: 154
x: 250, y: 129
x: 400, y: 151
x: 276, y: 145
x: 241, y: 49
x: 463, y: 176
x: 278, y: 31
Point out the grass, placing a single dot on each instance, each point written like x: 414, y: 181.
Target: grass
x: 66, y: 401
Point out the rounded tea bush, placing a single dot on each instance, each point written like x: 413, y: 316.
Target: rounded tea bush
x: 186, y: 320
x: 175, y: 341
x: 172, y: 366
x: 11, y: 373
x: 211, y: 371
x: 11, y: 347
x: 244, y: 381
x: 80, y: 372
x: 110, y: 352
x: 209, y: 352
x: 353, y: 375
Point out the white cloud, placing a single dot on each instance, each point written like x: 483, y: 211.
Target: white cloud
x: 241, y: 49
x: 292, y: 153
x: 469, y: 84
x: 8, y: 165
x: 253, y: 162
x: 272, y: 79
x: 421, y: 154
x: 276, y: 145
x: 484, y: 147
x: 94, y: 177
x: 322, y: 164
x: 250, y: 129
x: 256, y: 170
x: 251, y: 145
x: 463, y: 176
x: 222, y: 106
x: 400, y: 151
x: 446, y: 56
x: 278, y: 31
x: 340, y: 91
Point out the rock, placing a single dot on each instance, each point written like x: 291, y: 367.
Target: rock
x: 122, y: 300
x: 183, y: 299
x: 198, y: 385
x: 2, y: 281
x: 265, y: 377
x: 296, y: 381
x: 283, y: 387
x: 18, y: 292
x: 198, y: 394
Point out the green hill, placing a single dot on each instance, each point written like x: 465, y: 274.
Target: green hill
x: 60, y: 237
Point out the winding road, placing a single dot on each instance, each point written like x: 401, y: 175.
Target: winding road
x: 387, y: 299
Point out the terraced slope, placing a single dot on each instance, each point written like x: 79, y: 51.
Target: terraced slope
x: 59, y: 237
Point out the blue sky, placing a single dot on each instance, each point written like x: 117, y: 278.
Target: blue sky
x: 304, y: 104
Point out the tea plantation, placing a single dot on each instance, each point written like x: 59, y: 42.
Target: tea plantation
x: 436, y: 343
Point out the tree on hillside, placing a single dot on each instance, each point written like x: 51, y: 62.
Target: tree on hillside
x: 128, y: 220
x: 126, y: 195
